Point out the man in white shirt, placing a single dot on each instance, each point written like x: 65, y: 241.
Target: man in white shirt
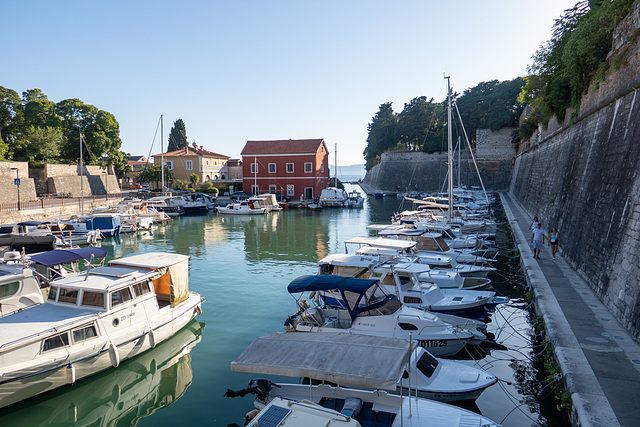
x: 537, y: 237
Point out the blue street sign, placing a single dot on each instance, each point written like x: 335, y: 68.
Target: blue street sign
x: 16, y: 181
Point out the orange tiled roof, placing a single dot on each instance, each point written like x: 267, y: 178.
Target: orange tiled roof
x: 298, y: 146
x: 191, y: 151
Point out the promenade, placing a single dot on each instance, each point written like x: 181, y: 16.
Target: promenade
x: 600, y: 361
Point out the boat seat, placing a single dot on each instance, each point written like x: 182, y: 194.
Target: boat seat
x: 352, y: 407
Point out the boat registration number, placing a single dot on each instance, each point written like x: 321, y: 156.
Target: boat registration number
x: 433, y: 344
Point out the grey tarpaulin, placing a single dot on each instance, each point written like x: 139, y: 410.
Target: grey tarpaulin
x: 346, y: 359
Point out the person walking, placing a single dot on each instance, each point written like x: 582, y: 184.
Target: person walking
x: 537, y: 237
x: 554, y: 241
x: 534, y: 223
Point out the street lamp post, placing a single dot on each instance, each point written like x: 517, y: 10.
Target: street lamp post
x: 17, y: 183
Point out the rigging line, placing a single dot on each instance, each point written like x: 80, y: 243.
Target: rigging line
x: 144, y: 172
x: 472, y: 156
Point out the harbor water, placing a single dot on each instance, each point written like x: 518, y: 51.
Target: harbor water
x: 242, y: 266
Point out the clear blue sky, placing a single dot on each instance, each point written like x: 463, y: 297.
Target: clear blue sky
x: 252, y: 70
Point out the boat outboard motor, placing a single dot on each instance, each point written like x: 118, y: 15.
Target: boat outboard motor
x: 260, y: 387
x: 289, y: 324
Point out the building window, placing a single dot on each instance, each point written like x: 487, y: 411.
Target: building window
x: 322, y: 185
x: 254, y: 190
x: 322, y: 168
x: 222, y: 176
x: 290, y: 190
x: 254, y: 168
x: 307, y: 168
x: 289, y: 167
x: 272, y: 168
x: 272, y: 189
x: 168, y: 164
x: 215, y: 163
x: 189, y: 165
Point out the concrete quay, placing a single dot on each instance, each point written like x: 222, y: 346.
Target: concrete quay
x: 600, y: 361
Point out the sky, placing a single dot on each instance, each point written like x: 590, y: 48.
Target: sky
x: 236, y: 70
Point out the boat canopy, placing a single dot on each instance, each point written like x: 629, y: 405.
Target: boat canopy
x: 368, y: 294
x: 173, y: 268
x: 382, y: 242
x: 64, y: 256
x: 348, y: 359
x: 330, y: 282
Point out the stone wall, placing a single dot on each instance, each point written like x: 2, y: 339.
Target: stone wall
x: 9, y: 171
x: 584, y: 179
x: 494, y: 155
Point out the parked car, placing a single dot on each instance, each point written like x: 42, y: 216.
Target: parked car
x: 239, y: 195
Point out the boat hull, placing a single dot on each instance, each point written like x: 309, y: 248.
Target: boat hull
x: 23, y: 384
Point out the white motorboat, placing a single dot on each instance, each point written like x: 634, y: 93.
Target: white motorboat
x: 19, y: 289
x: 406, y: 282
x: 267, y: 200
x: 244, y: 207
x: 170, y: 205
x: 66, y: 234
x: 333, y: 197
x: 354, y: 199
x: 155, y: 379
x: 371, y: 311
x: 93, y: 321
x: 370, y: 367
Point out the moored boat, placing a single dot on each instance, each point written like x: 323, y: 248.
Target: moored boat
x: 243, y: 208
x: 359, y: 376
x: 92, y: 321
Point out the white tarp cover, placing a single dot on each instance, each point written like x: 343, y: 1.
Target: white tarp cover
x: 346, y: 359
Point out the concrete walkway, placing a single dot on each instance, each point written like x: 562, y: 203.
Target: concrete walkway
x: 600, y: 361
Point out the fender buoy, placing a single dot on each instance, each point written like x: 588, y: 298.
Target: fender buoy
x: 71, y: 374
x: 198, y: 309
x: 114, y: 356
x: 152, y: 338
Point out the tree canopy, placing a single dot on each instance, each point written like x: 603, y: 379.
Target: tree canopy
x: 422, y: 124
x: 35, y: 129
x: 177, y: 136
x: 574, y: 57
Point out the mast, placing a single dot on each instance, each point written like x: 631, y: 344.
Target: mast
x: 162, y: 150
x: 449, y: 138
x: 81, y: 175
x: 335, y: 173
x: 255, y: 176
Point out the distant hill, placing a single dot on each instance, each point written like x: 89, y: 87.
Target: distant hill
x: 348, y: 173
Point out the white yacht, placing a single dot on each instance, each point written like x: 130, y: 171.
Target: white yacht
x: 358, y: 377
x: 92, y: 321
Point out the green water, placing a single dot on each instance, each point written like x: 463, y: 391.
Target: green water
x: 242, y: 266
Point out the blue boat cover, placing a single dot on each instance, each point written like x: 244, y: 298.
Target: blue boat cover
x: 33, y: 223
x: 330, y: 282
x: 63, y: 256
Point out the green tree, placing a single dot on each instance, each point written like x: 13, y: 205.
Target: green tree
x: 118, y: 160
x: 11, y: 117
x: 194, y: 178
x: 382, y: 134
x: 575, y: 56
x: 100, y: 131
x: 177, y: 136
x: 42, y: 143
x: 153, y: 174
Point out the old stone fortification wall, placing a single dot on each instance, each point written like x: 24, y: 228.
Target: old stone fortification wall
x: 494, y: 155
x: 54, y: 179
x: 585, y: 180
x: 9, y: 171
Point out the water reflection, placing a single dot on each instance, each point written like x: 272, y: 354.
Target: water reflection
x: 120, y: 396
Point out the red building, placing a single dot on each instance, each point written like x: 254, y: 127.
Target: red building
x: 293, y: 167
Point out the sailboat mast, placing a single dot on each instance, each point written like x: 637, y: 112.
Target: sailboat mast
x: 81, y: 176
x: 449, y: 137
x: 255, y: 176
x: 162, y: 150
x: 335, y: 173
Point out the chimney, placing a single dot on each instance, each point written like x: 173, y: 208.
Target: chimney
x: 201, y: 147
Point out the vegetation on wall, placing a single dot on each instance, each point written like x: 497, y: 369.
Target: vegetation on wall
x: 574, y: 57
x: 421, y: 125
x: 37, y: 130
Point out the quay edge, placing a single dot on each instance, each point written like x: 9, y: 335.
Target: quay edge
x: 591, y: 404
